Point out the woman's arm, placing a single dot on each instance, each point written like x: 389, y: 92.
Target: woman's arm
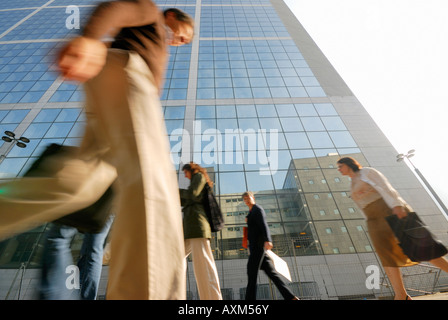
x: 84, y: 56
x: 391, y: 196
x: 196, y: 186
x: 111, y: 16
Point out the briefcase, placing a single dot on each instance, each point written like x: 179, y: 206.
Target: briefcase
x: 415, y: 238
x: 88, y: 220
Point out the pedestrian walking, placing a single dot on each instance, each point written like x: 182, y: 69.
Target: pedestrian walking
x: 125, y: 140
x: 376, y: 197
x: 197, y: 232
x: 259, y: 240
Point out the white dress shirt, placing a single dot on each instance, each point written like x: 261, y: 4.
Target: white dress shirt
x: 369, y: 185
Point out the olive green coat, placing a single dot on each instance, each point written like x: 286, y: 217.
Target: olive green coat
x: 196, y: 224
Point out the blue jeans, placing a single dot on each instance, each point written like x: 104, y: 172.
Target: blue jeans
x: 57, y: 278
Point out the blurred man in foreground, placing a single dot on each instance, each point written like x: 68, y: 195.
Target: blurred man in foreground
x: 126, y: 141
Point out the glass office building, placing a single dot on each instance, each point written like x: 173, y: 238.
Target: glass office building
x: 253, y: 100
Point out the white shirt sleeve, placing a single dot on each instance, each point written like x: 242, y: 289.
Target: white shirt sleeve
x: 377, y: 180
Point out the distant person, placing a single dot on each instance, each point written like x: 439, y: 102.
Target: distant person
x: 125, y: 140
x: 377, y: 199
x: 197, y: 232
x: 259, y: 239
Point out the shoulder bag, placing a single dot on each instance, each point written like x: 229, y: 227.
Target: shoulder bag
x: 212, y: 209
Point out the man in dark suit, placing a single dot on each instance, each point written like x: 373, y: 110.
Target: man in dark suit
x: 259, y: 238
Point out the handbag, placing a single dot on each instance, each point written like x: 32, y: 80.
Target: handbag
x: 91, y: 219
x: 415, y: 238
x: 212, y: 209
x: 245, y: 240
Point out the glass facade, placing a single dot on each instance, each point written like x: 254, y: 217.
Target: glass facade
x: 241, y: 100
x: 284, y: 151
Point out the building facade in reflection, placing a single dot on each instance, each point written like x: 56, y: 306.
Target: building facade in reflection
x: 253, y: 100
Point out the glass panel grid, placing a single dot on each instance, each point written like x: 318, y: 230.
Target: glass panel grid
x: 287, y: 164
x: 231, y: 69
x: 25, y: 71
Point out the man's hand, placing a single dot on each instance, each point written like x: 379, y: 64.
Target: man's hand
x: 400, y: 212
x: 82, y: 59
x: 268, y: 245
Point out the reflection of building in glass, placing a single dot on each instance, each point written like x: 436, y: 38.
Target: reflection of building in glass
x: 338, y: 224
x: 254, y: 100
x: 313, y: 210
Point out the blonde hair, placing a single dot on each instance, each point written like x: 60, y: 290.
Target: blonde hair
x: 248, y: 193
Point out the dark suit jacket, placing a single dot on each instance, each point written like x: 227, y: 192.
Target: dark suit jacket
x: 257, y: 228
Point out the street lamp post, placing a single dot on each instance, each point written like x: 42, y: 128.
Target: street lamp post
x: 11, y: 137
x: 21, y: 143
x: 410, y: 154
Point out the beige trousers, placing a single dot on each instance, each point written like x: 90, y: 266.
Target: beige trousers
x: 204, y: 266
x: 126, y: 141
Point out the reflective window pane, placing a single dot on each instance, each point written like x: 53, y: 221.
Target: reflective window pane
x: 59, y: 130
x: 227, y: 124
x: 232, y: 182
x: 320, y: 140
x: 225, y: 112
x: 68, y: 115
x: 10, y: 167
x: 205, y: 125
x: 286, y: 110
x: 325, y: 109
x: 248, y: 125
x: 258, y: 182
x: 15, y: 116
x: 305, y: 109
x: 203, y: 112
x: 230, y: 161
x: 342, y: 139
x: 333, y: 123
x: 174, y: 113
x: 312, y: 124
x: 270, y: 124
x: 77, y: 130
x: 36, y: 130
x: 24, y: 152
x: 172, y: 125
x: 297, y: 140
x: 246, y: 111
x: 266, y: 110
x: 291, y: 124
x: 47, y: 115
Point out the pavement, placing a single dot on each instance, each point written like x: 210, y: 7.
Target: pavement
x: 435, y: 296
